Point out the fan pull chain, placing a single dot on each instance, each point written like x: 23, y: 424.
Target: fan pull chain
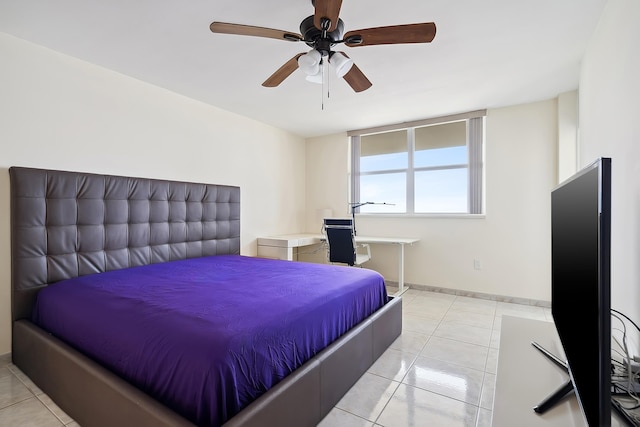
x: 324, y: 77
x: 328, y: 83
x: 322, y: 91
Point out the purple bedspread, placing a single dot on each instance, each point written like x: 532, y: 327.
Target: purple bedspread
x: 207, y: 336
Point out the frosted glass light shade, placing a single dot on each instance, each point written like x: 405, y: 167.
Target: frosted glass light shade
x: 341, y: 64
x: 309, y: 63
x: 315, y: 78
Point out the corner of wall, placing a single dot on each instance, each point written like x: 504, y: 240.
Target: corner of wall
x: 567, y: 135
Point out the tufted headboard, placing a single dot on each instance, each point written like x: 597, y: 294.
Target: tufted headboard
x: 69, y: 224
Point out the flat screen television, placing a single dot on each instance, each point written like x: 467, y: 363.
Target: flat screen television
x: 580, y: 288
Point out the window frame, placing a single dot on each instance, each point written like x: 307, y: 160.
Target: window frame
x: 474, y: 165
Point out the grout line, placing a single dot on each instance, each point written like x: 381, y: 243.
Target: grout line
x: 50, y: 409
x: 388, y: 400
x: 34, y: 395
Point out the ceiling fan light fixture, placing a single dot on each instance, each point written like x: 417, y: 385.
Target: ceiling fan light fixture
x: 341, y: 64
x: 315, y: 78
x: 321, y: 32
x: 309, y: 63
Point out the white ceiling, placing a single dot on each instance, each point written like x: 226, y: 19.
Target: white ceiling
x: 486, y: 54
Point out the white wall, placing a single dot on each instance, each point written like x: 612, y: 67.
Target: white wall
x: 567, y: 134
x: 512, y: 241
x: 610, y: 127
x: 60, y: 113
x: 327, y: 177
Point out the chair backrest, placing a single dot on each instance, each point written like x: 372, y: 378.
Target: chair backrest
x: 340, y: 239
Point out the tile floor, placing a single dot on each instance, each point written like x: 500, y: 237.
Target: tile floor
x: 440, y: 372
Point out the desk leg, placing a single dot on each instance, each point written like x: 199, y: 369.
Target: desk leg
x: 400, y: 269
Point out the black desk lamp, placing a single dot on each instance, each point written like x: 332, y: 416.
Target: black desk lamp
x: 356, y: 205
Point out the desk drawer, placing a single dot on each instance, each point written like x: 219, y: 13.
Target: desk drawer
x: 275, y: 252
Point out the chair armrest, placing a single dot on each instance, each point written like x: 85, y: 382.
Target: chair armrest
x: 365, y: 246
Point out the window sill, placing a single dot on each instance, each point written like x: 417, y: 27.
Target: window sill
x: 422, y: 215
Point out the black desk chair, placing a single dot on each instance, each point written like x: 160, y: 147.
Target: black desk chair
x: 341, y: 243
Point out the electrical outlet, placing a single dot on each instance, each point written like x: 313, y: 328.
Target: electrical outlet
x: 477, y: 264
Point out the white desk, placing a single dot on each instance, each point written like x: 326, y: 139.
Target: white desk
x: 281, y: 247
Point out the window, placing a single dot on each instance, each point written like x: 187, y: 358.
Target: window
x: 431, y: 166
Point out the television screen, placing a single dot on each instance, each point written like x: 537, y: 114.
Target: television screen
x: 580, y: 284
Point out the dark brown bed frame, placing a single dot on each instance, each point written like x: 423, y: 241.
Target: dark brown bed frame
x: 68, y: 224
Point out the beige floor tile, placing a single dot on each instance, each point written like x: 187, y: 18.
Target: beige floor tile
x: 25, y: 380
x: 475, y: 305
x: 28, y: 413
x: 470, y: 318
x: 457, y: 352
x: 492, y: 361
x: 11, y: 389
x: 393, y: 364
x: 521, y: 310
x: 418, y: 324
x: 414, y: 407
x: 488, y: 390
x: 484, y: 418
x: 464, y: 333
x: 454, y: 381
x: 410, y: 342
x: 368, y: 397
x: 339, y: 418
x: 495, y: 338
x: 55, y: 409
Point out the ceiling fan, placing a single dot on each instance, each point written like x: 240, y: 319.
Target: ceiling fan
x: 322, y: 31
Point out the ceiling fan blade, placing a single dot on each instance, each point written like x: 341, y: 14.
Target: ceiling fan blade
x: 283, y: 72
x: 329, y: 9
x: 249, y: 30
x: 356, y: 78
x: 394, y: 34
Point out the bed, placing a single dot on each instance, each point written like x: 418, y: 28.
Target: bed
x: 83, y: 237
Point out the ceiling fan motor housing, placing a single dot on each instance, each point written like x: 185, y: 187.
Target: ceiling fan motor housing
x: 313, y: 36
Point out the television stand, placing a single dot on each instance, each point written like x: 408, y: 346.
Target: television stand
x: 523, y: 378
x: 561, y: 392
x: 555, y: 359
